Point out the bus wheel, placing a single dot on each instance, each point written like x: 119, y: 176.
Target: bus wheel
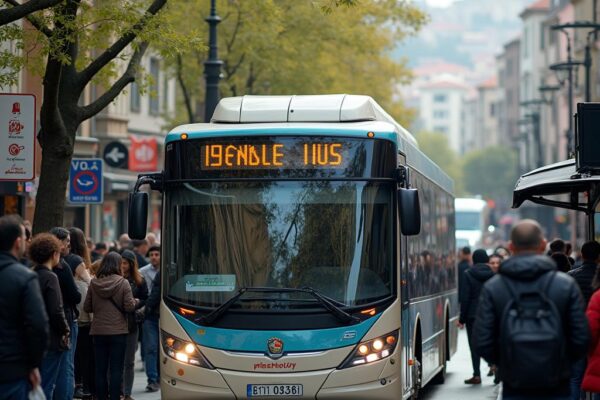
x: 417, y: 379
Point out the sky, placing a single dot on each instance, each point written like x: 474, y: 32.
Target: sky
x: 439, y: 3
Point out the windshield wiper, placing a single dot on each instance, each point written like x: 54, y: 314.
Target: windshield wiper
x: 330, y: 305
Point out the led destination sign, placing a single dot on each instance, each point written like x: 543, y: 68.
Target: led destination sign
x: 285, y: 154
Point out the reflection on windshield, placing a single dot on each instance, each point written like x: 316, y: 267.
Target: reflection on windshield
x: 333, y: 236
x: 468, y: 221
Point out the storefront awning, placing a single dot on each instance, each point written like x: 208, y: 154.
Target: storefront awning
x: 559, y: 185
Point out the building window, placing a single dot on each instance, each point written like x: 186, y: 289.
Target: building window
x: 492, y: 109
x: 440, y: 98
x: 165, y: 93
x: 440, y: 129
x: 154, y: 93
x: 134, y: 98
x: 440, y: 114
x: 542, y: 36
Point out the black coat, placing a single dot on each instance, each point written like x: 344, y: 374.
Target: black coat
x: 153, y: 302
x: 70, y: 294
x: 139, y: 292
x: 23, y: 320
x: 463, y: 266
x: 474, y: 279
x: 523, y: 271
x: 50, y: 288
x: 584, y: 276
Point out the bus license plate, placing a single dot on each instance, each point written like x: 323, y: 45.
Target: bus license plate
x: 274, y: 390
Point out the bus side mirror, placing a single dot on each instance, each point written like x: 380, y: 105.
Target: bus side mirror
x: 410, y: 211
x: 137, y: 220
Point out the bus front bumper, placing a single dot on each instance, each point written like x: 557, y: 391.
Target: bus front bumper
x: 380, y: 380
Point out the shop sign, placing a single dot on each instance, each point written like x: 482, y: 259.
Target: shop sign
x: 85, y: 181
x: 17, y: 137
x: 143, y: 154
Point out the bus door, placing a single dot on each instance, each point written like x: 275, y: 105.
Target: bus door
x: 405, y: 330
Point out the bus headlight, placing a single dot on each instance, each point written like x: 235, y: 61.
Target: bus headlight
x: 184, y: 351
x: 372, y: 350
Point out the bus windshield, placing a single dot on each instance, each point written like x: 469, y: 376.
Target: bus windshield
x: 335, y: 237
x: 468, y: 221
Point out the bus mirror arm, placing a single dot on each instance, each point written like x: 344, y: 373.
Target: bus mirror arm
x: 155, y: 180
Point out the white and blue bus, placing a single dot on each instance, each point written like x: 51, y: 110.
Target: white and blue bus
x: 308, y: 252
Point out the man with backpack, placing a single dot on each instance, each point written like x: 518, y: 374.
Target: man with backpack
x: 531, y: 321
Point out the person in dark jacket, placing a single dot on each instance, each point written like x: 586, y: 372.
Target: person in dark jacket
x: 584, y: 276
x: 151, y: 338
x: 464, y: 256
x: 23, y: 318
x: 139, y: 289
x: 525, y: 270
x: 44, y: 252
x: 475, y: 277
x: 65, y: 384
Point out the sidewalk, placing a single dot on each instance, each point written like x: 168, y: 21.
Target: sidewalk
x: 140, y: 382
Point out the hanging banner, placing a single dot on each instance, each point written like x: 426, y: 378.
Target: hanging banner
x: 17, y: 137
x: 143, y: 154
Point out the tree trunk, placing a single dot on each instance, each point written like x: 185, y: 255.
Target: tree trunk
x: 54, y: 178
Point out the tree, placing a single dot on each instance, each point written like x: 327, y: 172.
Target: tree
x: 492, y: 173
x: 436, y: 146
x: 303, y: 47
x: 81, y: 43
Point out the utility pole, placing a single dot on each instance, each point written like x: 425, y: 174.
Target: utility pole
x: 212, y: 66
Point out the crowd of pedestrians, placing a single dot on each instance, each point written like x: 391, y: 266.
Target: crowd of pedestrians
x: 73, y: 313
x: 525, y: 312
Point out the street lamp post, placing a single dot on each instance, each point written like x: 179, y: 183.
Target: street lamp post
x: 534, y: 117
x: 571, y: 64
x: 212, y: 66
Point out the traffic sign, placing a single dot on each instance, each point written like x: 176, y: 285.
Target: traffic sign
x: 85, y: 181
x: 115, y: 155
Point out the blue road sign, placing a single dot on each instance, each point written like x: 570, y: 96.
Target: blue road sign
x: 85, y: 181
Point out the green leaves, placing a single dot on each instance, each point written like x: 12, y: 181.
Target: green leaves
x: 303, y: 47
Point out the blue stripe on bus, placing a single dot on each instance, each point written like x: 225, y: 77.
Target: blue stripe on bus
x: 295, y: 341
x: 282, y: 131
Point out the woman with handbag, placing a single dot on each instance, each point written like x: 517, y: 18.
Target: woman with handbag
x: 109, y: 298
x: 130, y: 270
x: 44, y: 252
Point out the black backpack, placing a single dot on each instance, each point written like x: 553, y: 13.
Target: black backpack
x: 532, y: 351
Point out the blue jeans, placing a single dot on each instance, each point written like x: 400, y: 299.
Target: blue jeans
x: 52, y: 364
x: 15, y: 390
x: 110, y: 359
x: 65, y: 383
x: 577, y: 372
x: 151, y: 338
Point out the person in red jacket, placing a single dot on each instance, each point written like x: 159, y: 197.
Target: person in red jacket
x: 591, y: 379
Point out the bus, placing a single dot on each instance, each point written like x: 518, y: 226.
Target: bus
x: 471, y: 218
x: 307, y: 252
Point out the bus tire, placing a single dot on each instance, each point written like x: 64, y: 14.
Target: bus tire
x: 417, y: 368
x: 440, y: 378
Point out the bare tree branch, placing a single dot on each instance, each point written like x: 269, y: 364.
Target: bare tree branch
x: 125, y: 79
x: 36, y: 23
x: 186, y: 94
x: 233, y: 69
x: 18, y: 11
x: 113, y: 51
x: 238, y: 24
